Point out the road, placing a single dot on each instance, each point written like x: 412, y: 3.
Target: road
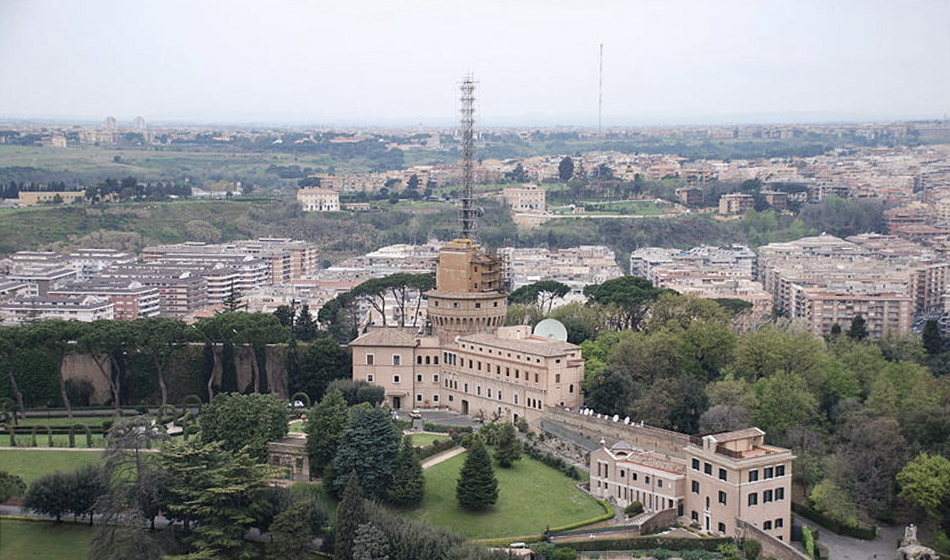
x: 884, y: 547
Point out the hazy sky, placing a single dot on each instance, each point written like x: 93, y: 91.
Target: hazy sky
x: 399, y: 61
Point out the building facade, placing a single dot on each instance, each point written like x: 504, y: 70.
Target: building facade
x: 315, y: 199
x: 465, y: 360
x: 719, y: 479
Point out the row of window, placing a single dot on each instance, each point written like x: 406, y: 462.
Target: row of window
x: 767, y: 496
x: 767, y: 472
x: 397, y: 360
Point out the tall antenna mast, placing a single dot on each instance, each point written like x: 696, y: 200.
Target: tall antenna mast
x: 468, y: 213
x: 600, y: 95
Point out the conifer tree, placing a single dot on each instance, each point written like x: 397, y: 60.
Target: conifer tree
x: 324, y: 429
x: 933, y: 342
x: 349, y: 517
x: 408, y: 486
x: 859, y: 328
x: 368, y: 446
x: 477, y: 487
x: 508, y: 448
x: 370, y: 543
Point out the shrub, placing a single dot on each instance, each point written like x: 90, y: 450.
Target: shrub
x: 11, y: 486
x: 635, y: 508
x: 436, y: 446
x: 552, y: 461
x: 808, y: 540
x: 752, y: 549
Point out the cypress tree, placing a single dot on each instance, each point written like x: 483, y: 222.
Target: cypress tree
x: 349, y: 517
x: 508, y: 447
x: 477, y: 487
x: 933, y: 342
x: 408, y: 486
x: 859, y: 328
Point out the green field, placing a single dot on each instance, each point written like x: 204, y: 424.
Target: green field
x: 42, y: 540
x: 422, y: 440
x: 531, y: 497
x: 31, y: 464
x: 59, y: 440
x: 90, y: 421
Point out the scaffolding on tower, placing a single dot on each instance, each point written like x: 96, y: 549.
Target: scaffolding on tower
x: 468, y: 213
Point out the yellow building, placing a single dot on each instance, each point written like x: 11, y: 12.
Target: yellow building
x: 36, y: 198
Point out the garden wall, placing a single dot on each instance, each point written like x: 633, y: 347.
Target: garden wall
x: 771, y: 547
x: 587, y: 431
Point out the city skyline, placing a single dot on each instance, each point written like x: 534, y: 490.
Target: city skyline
x: 331, y: 64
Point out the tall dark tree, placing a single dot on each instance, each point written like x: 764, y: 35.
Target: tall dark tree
x: 408, y: 485
x: 323, y: 362
x: 291, y: 533
x: 349, y: 517
x: 507, y: 446
x: 304, y: 326
x: 158, y: 337
x: 933, y: 342
x: 477, y: 487
x: 325, y: 425
x: 631, y: 296
x: 858, y: 329
x: 368, y: 447
x: 565, y: 169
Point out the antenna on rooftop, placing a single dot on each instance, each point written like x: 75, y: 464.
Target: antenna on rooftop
x: 468, y: 213
x: 600, y: 95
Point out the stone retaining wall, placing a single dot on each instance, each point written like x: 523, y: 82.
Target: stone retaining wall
x: 587, y: 431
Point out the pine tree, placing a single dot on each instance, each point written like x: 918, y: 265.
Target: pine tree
x: 349, y: 517
x: 291, y: 533
x: 325, y: 425
x: 858, y: 329
x: 508, y: 447
x: 368, y: 446
x: 933, y: 342
x: 370, y: 543
x: 408, y: 486
x: 477, y: 487
x: 835, y: 330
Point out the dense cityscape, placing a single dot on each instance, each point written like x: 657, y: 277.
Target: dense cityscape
x: 322, y: 314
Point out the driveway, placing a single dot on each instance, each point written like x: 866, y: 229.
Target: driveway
x: 884, y: 547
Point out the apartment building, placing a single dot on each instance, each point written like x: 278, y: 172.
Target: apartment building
x: 21, y: 311
x: 131, y: 300
x: 526, y: 198
x: 736, y: 203
x: 180, y: 290
x: 315, y: 199
x: 717, y: 480
x: 576, y: 267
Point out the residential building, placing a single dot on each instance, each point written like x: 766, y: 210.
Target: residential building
x: 315, y: 199
x: 20, y: 311
x: 131, y: 300
x: 736, y: 203
x: 526, y: 198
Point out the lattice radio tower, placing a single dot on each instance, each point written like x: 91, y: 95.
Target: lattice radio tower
x: 468, y: 213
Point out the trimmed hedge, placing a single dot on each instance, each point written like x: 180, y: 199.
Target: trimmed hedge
x: 437, y: 446
x: 833, y: 525
x: 445, y: 428
x: 552, y: 461
x: 650, y: 542
x: 502, y: 543
x: 608, y: 514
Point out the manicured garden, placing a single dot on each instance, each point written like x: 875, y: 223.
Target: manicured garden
x: 31, y: 464
x: 531, y: 497
x: 35, y: 540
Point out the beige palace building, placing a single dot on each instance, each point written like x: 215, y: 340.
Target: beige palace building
x: 466, y: 360
x: 719, y: 479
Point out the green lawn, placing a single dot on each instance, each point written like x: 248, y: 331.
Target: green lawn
x: 422, y: 440
x: 59, y: 440
x: 40, y: 540
x: 531, y: 496
x: 91, y: 421
x: 31, y: 464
